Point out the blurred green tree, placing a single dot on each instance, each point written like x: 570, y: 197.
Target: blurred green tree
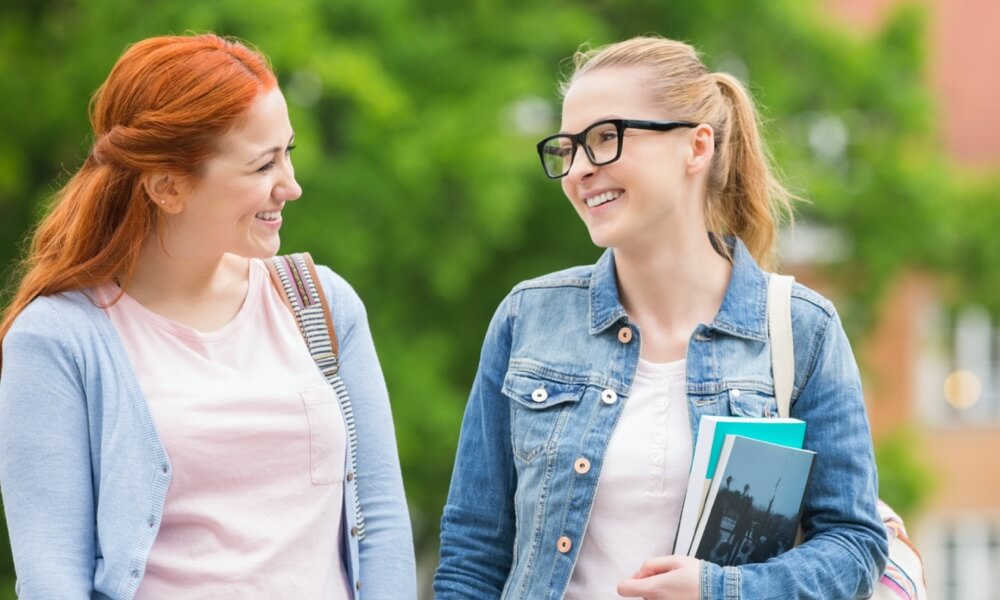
x: 416, y: 124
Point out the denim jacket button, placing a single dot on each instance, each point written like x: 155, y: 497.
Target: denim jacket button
x: 564, y: 545
x: 609, y: 397
x: 539, y: 395
x: 735, y: 393
x: 625, y: 335
x: 582, y: 465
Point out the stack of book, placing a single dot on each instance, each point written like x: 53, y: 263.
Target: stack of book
x: 746, y: 490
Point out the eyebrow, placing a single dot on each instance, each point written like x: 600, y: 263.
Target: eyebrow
x: 270, y: 151
x: 604, y: 118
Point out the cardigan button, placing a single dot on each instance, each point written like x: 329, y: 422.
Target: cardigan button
x: 350, y: 475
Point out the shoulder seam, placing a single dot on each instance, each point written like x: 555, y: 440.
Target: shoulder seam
x: 60, y: 337
x: 819, y: 337
x: 576, y: 282
x: 802, y: 293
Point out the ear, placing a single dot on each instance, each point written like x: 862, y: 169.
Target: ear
x: 164, y: 189
x: 701, y: 150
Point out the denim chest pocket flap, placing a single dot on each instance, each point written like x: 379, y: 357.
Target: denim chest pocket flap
x: 750, y: 400
x: 539, y: 409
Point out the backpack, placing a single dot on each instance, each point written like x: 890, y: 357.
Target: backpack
x: 903, y: 578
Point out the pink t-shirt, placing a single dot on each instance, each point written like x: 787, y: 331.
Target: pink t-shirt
x: 257, y: 444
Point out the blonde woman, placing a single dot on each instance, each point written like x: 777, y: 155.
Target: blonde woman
x: 577, y: 440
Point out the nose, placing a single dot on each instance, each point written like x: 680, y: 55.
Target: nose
x: 287, y: 189
x: 581, y: 167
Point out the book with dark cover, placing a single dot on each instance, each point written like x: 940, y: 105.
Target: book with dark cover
x: 712, y: 431
x: 755, y: 502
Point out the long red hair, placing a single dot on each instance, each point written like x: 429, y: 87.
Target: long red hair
x: 162, y: 108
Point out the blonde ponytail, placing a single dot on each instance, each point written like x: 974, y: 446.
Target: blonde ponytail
x: 749, y: 201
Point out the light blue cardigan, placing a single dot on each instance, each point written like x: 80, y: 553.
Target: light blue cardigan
x: 84, y: 474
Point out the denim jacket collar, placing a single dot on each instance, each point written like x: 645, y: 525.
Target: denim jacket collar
x: 605, y: 306
x: 744, y: 308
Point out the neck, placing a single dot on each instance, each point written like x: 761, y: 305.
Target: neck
x: 203, y: 292
x: 669, y: 288
x: 171, y: 273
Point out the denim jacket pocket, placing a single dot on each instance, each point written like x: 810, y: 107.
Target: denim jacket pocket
x: 539, y: 411
x: 747, y: 401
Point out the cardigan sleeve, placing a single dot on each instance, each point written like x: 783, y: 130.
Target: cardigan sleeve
x: 45, y: 467
x: 387, y: 565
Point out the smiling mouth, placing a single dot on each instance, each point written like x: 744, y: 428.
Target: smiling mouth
x: 600, y: 199
x: 269, y: 215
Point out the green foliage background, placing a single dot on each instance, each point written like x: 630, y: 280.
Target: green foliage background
x: 416, y: 123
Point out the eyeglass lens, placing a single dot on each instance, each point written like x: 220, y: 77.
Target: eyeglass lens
x: 601, y: 145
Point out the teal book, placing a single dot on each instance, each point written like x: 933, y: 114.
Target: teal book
x: 755, y: 502
x: 712, y: 432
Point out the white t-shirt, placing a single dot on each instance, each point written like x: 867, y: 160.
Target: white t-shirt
x: 640, y: 491
x: 257, y: 443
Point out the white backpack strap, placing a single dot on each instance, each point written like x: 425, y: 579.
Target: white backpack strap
x: 779, y: 328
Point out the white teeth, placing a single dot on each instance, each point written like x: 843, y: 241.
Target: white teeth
x: 602, y: 198
x: 269, y: 215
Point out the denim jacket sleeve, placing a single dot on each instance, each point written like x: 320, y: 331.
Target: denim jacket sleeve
x: 845, y: 548
x: 45, y: 454
x: 387, y: 565
x: 477, y: 527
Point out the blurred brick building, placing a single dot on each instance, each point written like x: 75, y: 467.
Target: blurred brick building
x: 936, y: 370
x: 964, y: 69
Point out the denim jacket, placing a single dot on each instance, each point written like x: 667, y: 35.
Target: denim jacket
x: 555, y: 373
x: 84, y: 473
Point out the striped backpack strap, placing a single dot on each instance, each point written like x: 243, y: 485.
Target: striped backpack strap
x: 295, y: 278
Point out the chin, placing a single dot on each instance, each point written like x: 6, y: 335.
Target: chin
x: 602, y: 239
x: 259, y: 252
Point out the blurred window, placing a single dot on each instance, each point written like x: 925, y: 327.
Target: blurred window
x: 958, y: 378
x: 962, y: 558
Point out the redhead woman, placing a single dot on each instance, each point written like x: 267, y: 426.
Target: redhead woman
x: 164, y: 431
x: 577, y: 440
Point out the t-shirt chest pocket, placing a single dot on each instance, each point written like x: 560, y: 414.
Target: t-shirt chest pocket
x: 539, y: 410
x: 327, y: 435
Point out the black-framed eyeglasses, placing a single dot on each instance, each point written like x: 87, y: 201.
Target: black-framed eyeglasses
x: 602, y: 142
